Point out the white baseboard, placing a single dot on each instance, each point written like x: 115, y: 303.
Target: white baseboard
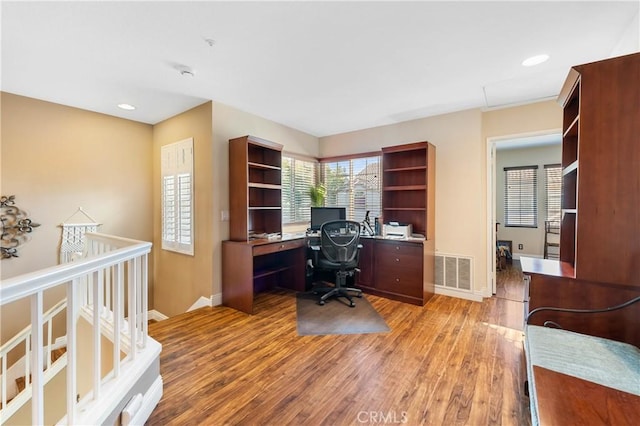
x: 459, y: 294
x: 216, y: 299
x: 213, y: 300
x: 156, y: 316
x: 517, y: 256
x: 200, y: 303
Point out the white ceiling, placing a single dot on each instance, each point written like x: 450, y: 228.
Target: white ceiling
x: 320, y: 67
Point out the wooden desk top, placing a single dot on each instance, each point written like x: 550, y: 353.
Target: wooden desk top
x: 262, y: 241
x: 567, y: 400
x: 555, y: 268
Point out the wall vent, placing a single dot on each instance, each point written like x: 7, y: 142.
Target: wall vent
x: 454, y: 271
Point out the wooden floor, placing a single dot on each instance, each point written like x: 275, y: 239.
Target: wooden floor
x: 450, y: 362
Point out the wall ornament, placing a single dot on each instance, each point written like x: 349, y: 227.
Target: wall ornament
x: 16, y: 226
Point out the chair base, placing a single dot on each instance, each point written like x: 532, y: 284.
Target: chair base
x: 341, y: 292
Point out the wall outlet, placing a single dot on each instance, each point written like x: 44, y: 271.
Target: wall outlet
x: 520, y: 246
x: 224, y: 215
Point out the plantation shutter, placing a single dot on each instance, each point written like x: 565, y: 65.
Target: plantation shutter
x: 177, y: 196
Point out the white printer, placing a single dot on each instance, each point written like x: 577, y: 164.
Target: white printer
x: 395, y: 230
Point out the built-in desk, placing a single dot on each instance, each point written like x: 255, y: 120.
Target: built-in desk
x: 396, y: 269
x: 252, y: 266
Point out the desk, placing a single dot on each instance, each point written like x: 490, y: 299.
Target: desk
x: 396, y: 269
x: 252, y: 266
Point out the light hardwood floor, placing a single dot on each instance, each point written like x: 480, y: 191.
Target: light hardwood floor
x: 450, y: 362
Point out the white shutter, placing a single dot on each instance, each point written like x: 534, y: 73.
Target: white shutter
x: 177, y: 196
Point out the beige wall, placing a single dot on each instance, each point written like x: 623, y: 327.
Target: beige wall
x: 229, y: 123
x: 88, y: 148
x: 181, y: 279
x: 55, y: 159
x: 461, y: 168
x: 532, y: 239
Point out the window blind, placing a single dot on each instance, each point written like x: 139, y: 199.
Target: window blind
x: 177, y: 196
x: 521, y: 196
x: 553, y: 190
x: 298, y: 176
x: 354, y: 184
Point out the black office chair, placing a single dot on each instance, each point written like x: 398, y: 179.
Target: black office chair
x: 340, y: 249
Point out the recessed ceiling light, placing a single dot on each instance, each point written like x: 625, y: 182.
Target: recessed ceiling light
x: 535, y: 60
x: 126, y: 106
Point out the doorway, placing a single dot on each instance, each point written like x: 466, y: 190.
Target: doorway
x: 537, y: 151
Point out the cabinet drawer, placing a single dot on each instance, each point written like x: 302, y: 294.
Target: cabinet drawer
x: 395, y: 248
x: 399, y: 268
x: 407, y: 281
x: 277, y: 246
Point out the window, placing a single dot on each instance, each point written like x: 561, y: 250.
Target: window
x: 177, y: 196
x: 354, y: 184
x: 553, y: 189
x: 298, y: 175
x: 521, y: 196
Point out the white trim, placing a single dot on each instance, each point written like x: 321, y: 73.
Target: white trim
x: 491, y: 200
x: 200, y: 303
x: 452, y: 292
x: 156, y: 315
x: 148, y: 403
x: 216, y: 299
x: 517, y: 256
x: 97, y: 411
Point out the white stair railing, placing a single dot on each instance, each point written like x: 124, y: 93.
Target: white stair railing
x: 111, y: 276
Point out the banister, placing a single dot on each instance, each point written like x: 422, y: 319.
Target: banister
x: 30, y: 283
x: 95, y: 283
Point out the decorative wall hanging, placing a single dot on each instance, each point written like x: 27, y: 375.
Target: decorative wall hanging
x: 15, y: 226
x: 72, y: 244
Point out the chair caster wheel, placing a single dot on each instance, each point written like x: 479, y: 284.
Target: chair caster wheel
x: 359, y: 295
x: 352, y: 305
x: 321, y: 302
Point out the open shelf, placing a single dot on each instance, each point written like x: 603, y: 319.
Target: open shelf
x: 255, y: 187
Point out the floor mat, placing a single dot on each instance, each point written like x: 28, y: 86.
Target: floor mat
x: 336, y: 317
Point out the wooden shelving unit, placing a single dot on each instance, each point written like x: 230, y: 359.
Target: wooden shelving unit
x: 599, y: 246
x: 408, y: 186
x: 404, y: 270
x: 601, y: 123
x: 255, y: 188
x: 570, y: 98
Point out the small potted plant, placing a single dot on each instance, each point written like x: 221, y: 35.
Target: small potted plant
x: 317, y: 194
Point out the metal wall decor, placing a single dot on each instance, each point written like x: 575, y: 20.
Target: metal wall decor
x: 15, y: 227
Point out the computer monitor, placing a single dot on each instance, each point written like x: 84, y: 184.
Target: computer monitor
x: 320, y: 215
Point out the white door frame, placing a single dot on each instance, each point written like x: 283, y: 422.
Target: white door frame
x: 491, y: 198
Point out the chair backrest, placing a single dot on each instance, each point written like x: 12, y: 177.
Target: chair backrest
x: 339, y: 240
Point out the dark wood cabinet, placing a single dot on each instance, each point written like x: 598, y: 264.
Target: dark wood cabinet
x: 599, y: 245
x: 408, y: 191
x: 399, y: 268
x: 365, y: 263
x: 404, y: 269
x: 249, y: 267
x: 255, y: 188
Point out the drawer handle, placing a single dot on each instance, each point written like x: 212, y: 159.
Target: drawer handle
x: 282, y: 246
x: 397, y: 260
x: 397, y: 280
x: 397, y: 247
